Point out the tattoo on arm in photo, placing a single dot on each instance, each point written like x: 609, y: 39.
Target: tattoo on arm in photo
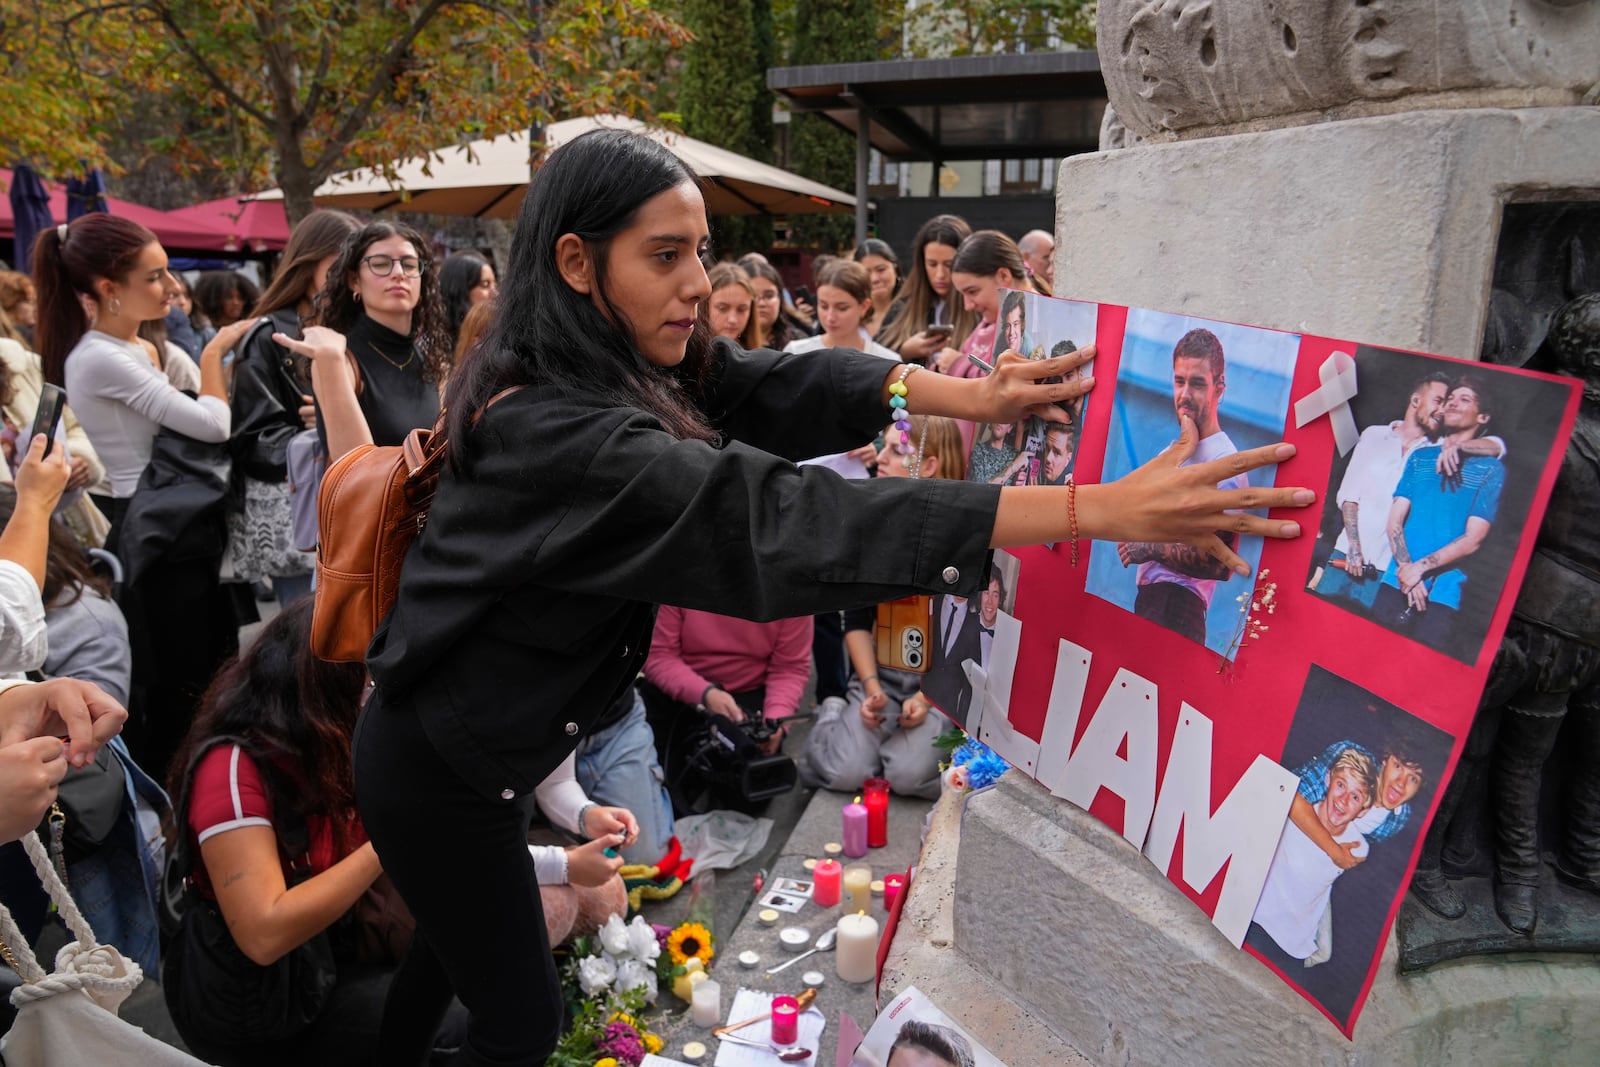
x: 1462, y: 547
x: 1397, y: 541
x: 1398, y: 512
x: 1194, y: 562
x: 1351, y: 510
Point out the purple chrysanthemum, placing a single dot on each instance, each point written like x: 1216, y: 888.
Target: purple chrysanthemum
x: 623, y: 1042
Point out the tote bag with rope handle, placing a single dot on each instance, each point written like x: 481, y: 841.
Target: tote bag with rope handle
x: 68, y: 1017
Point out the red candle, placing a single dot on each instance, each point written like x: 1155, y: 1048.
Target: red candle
x: 829, y: 879
x: 875, y: 796
x: 785, y: 1020
x: 892, y: 885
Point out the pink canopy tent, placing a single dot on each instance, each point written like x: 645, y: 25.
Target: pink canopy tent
x: 175, y: 233
x: 249, y: 225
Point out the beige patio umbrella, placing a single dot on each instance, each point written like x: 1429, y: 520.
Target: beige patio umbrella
x: 488, y: 178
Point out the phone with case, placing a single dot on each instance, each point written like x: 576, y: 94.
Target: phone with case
x: 905, y: 633
x: 52, y: 402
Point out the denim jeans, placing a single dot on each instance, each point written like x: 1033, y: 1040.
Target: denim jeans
x: 116, y: 887
x: 617, y: 766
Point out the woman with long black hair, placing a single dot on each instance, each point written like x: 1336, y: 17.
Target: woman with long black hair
x: 267, y: 762
x: 602, y: 487
x: 465, y: 280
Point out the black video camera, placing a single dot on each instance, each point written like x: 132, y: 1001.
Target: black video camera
x: 711, y: 762
x: 730, y: 759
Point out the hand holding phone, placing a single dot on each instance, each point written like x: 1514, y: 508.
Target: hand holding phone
x: 40, y: 480
x: 942, y: 330
x: 52, y: 402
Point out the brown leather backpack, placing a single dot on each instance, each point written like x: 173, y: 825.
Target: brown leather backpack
x: 372, y: 504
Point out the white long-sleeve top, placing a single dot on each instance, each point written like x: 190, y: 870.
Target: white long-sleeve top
x: 23, y: 640
x: 562, y: 800
x: 122, y: 400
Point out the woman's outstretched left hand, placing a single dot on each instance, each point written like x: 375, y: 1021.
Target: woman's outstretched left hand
x: 1019, y: 386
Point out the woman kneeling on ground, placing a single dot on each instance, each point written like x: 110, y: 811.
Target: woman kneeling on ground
x: 882, y: 727
x: 264, y: 786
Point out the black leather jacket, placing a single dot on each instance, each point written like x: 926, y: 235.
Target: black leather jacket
x: 267, y: 387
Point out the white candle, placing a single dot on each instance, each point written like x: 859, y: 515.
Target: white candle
x: 856, y: 954
x: 706, y: 1008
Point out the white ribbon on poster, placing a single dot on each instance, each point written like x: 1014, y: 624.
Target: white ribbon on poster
x: 1332, y: 398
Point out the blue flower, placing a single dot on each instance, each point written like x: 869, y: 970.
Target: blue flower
x: 986, y: 769
x: 969, y: 751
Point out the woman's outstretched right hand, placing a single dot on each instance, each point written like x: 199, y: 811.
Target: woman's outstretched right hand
x: 1163, y: 502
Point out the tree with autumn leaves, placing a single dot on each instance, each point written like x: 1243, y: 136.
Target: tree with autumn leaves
x: 290, y: 92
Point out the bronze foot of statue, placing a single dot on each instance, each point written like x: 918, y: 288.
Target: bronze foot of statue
x: 1517, y: 907
x: 1436, y: 893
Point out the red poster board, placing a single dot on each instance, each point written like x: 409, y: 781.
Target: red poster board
x: 1189, y: 710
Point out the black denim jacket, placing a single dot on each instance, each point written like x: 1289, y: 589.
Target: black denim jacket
x: 527, y: 603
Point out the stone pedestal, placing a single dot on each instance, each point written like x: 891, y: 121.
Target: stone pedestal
x: 1378, y: 229
x: 1050, y: 937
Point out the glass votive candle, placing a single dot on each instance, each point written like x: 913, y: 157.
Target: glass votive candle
x: 858, y: 887
x: 706, y: 1006
x: 893, y: 885
x: 875, y: 798
x: 785, y: 1020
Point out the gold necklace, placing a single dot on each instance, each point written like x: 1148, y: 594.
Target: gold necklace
x: 411, y: 354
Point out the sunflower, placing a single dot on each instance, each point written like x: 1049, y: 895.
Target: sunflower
x: 690, y: 940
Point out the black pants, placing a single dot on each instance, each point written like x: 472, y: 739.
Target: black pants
x: 343, y: 1036
x: 1174, y: 606
x: 828, y: 655
x: 1435, y: 627
x: 461, y: 863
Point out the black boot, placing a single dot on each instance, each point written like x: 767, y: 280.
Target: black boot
x: 1438, y: 894
x: 1578, y: 861
x: 1527, y: 734
x: 1517, y: 906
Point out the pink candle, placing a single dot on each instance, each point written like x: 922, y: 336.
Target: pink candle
x: 855, y: 829
x: 876, y: 794
x: 829, y: 879
x: 892, y: 885
x: 785, y: 1020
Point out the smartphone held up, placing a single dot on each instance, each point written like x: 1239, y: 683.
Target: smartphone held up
x: 46, y: 420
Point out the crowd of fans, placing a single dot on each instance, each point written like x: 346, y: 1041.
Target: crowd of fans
x: 110, y: 577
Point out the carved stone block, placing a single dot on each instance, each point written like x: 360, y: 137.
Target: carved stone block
x: 1195, y: 67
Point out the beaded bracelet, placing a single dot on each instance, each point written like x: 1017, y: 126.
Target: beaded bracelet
x: 1072, y: 516
x: 897, y: 407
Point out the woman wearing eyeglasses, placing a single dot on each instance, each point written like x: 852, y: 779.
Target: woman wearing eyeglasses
x: 381, y: 310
